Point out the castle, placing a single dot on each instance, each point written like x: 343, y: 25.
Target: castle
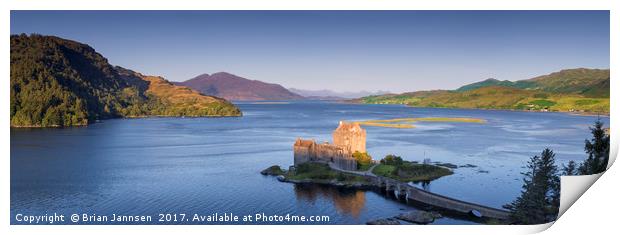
x: 348, y: 138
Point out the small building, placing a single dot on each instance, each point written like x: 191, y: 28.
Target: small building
x: 348, y: 138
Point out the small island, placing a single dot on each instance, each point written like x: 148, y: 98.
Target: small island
x: 321, y: 173
x: 396, y: 168
x: 345, y: 163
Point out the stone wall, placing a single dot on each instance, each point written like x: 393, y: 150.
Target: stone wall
x: 348, y: 138
x: 310, y: 151
x: 301, y: 153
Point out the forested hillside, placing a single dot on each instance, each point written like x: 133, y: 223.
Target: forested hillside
x: 58, y: 82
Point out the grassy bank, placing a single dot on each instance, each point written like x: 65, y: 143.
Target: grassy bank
x: 322, y: 173
x: 409, y: 171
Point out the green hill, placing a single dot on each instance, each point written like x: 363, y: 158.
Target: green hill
x: 572, y: 81
x: 600, y: 89
x: 575, y: 90
x: 588, y: 82
x: 58, y: 82
x: 486, y: 83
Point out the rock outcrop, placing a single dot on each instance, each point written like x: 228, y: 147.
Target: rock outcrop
x: 388, y: 221
x: 419, y: 217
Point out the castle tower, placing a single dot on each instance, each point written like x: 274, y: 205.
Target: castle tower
x: 350, y: 136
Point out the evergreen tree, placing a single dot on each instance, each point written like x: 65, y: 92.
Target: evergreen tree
x: 570, y: 169
x: 539, y: 199
x: 598, y: 151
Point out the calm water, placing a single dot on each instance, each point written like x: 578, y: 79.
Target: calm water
x: 208, y: 165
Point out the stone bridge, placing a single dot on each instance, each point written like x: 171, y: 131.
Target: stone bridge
x: 409, y: 192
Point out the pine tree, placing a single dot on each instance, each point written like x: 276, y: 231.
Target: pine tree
x: 570, y: 169
x: 598, y: 151
x: 539, y: 199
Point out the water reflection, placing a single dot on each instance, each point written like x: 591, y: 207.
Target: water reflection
x: 346, y: 201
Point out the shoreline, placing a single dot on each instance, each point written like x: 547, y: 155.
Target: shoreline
x: 584, y: 114
x: 594, y: 114
x: 128, y: 117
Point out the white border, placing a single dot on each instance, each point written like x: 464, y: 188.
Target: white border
x: 596, y: 205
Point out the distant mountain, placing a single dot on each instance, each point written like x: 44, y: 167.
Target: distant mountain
x: 328, y: 94
x: 588, y: 82
x: 58, y: 82
x: 233, y: 87
x: 575, y: 90
x: 325, y: 98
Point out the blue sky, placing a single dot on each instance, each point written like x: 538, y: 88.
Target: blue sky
x: 339, y: 50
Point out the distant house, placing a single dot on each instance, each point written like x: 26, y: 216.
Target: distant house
x: 348, y: 138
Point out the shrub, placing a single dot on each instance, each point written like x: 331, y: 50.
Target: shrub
x: 392, y: 160
x: 362, y: 159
